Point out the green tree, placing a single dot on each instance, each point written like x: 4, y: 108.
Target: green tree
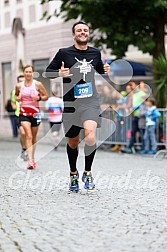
x: 161, y: 80
x: 122, y: 22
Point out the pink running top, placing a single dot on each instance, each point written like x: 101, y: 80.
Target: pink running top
x: 29, y: 107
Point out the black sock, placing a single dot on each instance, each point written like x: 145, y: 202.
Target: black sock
x: 89, y: 156
x: 72, y: 158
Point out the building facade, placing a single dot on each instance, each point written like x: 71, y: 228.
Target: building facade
x: 26, y: 39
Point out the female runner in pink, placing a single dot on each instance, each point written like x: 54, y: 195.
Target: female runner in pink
x: 29, y: 93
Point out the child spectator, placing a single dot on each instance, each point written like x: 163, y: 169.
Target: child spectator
x: 152, y: 115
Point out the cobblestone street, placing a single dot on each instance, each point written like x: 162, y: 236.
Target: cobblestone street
x: 126, y: 212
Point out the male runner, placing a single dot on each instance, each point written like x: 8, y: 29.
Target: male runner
x: 77, y: 65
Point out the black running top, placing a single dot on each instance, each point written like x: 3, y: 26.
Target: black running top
x: 76, y: 60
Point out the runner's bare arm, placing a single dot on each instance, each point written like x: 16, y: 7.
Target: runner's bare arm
x: 17, y: 92
x: 43, y: 93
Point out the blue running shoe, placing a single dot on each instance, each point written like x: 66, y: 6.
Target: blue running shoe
x: 88, y: 180
x: 143, y: 152
x: 152, y: 152
x: 74, y: 186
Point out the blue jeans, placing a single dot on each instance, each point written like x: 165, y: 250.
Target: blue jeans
x: 14, y: 125
x: 150, y: 138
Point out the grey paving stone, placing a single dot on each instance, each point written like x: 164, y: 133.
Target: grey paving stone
x: 125, y: 213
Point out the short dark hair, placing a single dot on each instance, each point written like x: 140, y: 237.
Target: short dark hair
x: 19, y: 76
x: 152, y: 100
x: 79, y: 22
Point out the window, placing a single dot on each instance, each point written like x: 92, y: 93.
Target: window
x: 40, y: 67
x: 6, y: 80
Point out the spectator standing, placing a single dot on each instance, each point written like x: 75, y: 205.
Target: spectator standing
x: 152, y: 115
x: 136, y: 102
x: 10, y: 108
x: 120, y: 120
x: 142, y: 122
x: 123, y: 106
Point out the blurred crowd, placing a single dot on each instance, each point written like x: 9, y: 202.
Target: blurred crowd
x: 135, y: 115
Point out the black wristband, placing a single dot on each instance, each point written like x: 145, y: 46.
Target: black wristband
x: 39, y: 98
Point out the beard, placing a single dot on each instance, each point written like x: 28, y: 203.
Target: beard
x: 82, y: 42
